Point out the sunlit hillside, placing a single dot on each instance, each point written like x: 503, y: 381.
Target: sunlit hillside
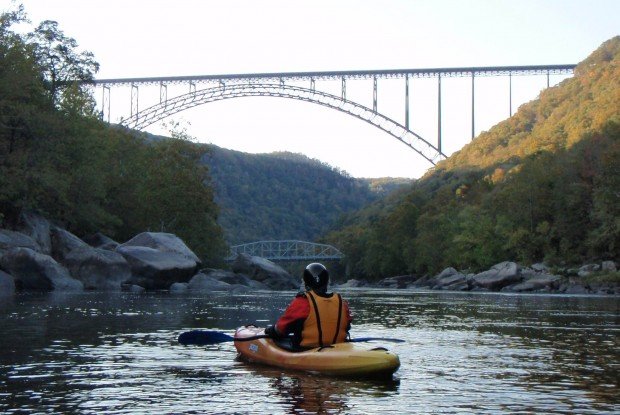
x: 540, y: 186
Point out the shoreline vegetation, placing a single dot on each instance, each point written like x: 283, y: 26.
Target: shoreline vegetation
x: 40, y: 256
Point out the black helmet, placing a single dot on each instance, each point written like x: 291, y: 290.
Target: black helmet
x: 316, y: 277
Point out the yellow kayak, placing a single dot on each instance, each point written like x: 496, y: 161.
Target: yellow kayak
x: 341, y: 359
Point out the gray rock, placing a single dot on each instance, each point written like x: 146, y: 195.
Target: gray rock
x: 164, y: 242
x: 98, y: 269
x: 424, y: 281
x: 203, y: 282
x: 38, y: 228
x: 352, y: 283
x: 99, y: 240
x: 154, y: 269
x: 265, y: 271
x: 36, y: 271
x: 448, y: 272
x: 604, y: 289
x: 539, y: 267
x: 499, y: 276
x: 11, y: 239
x: 577, y: 289
x: 447, y: 281
x: 7, y: 284
x: 457, y: 286
x: 232, y: 278
x: 537, y: 283
x: 64, y: 242
x: 400, y: 281
x: 239, y: 289
x: 179, y: 287
x: 136, y: 289
x: 609, y: 266
x: 588, y: 269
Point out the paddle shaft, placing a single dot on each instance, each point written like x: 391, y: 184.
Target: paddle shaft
x: 214, y: 337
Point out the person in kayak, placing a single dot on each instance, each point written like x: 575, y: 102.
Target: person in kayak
x: 315, y: 318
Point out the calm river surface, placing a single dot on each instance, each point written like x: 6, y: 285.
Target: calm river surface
x: 116, y: 353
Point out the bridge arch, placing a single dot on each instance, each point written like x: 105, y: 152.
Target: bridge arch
x: 192, y: 99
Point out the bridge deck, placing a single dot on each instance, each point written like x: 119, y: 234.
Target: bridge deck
x: 365, y: 74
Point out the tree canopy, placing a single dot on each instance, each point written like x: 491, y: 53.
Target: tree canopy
x: 57, y: 158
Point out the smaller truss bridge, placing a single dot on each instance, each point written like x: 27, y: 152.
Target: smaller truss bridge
x: 286, y: 251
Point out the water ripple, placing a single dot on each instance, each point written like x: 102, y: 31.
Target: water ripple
x: 98, y: 353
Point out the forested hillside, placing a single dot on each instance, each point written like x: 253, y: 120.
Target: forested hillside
x: 58, y: 159
x: 285, y: 195
x: 542, y: 185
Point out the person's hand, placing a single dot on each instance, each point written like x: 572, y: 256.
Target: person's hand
x: 271, y: 332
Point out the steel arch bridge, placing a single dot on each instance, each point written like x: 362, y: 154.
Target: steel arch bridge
x: 172, y: 106
x: 280, y: 85
x: 288, y: 250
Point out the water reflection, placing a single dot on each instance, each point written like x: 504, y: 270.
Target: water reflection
x: 93, y: 353
x: 303, y: 393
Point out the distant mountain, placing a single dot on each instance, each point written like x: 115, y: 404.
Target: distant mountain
x: 539, y: 186
x: 285, y: 195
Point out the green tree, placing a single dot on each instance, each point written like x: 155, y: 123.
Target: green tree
x: 62, y: 65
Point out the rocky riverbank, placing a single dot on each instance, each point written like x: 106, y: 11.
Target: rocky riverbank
x: 38, y: 255
x: 598, y: 278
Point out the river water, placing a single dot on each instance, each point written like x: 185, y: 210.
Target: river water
x: 116, y: 353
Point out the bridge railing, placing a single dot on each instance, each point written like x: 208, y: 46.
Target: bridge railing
x: 286, y: 250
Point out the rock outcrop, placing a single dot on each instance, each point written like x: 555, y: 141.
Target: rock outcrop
x: 511, y: 277
x: 98, y: 269
x: 154, y: 269
x: 36, y: 271
x: 264, y: 271
x: 7, y: 284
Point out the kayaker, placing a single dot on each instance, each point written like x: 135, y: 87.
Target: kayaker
x: 315, y: 318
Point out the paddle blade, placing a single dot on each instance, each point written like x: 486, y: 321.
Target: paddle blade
x: 204, y: 337
x: 370, y: 339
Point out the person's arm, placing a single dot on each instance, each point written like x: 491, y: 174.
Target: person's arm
x: 348, y: 314
x: 298, y: 309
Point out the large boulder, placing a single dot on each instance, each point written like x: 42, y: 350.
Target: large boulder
x: 203, y: 282
x: 542, y: 282
x: 232, y: 278
x: 608, y: 266
x: 499, y: 276
x: 38, y: 228
x: 36, y: 271
x: 588, y: 269
x: 400, y: 281
x: 7, y: 284
x: 163, y: 242
x: 154, y: 269
x: 450, y: 279
x: 99, y: 240
x: 98, y: 269
x: 265, y: 271
x: 64, y: 242
x: 11, y: 239
x: 352, y: 283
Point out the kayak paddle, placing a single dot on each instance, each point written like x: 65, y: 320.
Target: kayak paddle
x: 202, y: 337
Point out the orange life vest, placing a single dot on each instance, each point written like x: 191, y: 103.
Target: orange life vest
x: 326, y: 324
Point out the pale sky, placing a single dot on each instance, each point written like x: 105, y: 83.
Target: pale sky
x: 201, y: 37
